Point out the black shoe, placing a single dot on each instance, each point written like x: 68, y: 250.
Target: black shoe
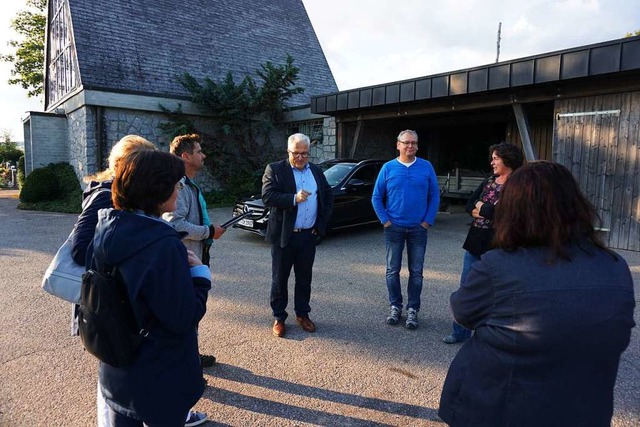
x: 207, y: 360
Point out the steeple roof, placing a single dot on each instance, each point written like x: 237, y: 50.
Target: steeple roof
x: 141, y: 46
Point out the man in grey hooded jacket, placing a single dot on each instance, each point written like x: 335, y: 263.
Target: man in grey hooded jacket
x: 191, y: 216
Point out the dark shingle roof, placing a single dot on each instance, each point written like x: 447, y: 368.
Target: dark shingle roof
x: 584, y: 62
x: 141, y: 46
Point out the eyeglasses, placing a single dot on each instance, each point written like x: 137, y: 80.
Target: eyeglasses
x: 408, y: 142
x: 300, y: 155
x: 179, y: 185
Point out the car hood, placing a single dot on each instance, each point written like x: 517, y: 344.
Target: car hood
x: 253, y: 201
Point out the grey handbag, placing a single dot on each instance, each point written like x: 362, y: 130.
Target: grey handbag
x: 63, y: 278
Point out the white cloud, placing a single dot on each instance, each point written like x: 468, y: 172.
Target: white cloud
x: 436, y: 36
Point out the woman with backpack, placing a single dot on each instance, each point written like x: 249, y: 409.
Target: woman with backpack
x: 166, y: 286
x: 97, y: 196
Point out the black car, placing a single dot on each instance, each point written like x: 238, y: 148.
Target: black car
x: 352, y: 184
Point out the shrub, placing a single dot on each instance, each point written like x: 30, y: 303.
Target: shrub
x: 41, y: 184
x: 68, y: 195
x: 217, y: 198
x: 66, y: 176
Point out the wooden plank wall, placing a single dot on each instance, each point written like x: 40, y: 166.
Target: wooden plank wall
x: 541, y: 129
x: 603, y: 153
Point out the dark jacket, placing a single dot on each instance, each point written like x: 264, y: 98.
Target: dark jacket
x: 166, y: 378
x: 85, y: 228
x: 278, y: 191
x: 547, y: 342
x: 478, y: 240
x: 86, y: 224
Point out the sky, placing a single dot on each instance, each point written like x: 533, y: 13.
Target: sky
x: 369, y: 42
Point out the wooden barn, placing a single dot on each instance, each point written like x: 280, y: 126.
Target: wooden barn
x: 579, y: 107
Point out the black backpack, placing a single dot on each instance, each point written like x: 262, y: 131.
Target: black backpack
x: 108, y: 328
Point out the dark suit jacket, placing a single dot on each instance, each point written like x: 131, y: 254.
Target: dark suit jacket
x: 278, y: 190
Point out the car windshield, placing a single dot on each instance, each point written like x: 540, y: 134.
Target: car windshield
x: 325, y: 165
x: 336, y: 173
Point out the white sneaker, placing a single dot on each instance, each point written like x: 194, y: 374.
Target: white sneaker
x: 412, y: 319
x: 195, y: 418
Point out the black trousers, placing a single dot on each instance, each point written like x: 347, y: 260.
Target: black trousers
x: 299, y: 254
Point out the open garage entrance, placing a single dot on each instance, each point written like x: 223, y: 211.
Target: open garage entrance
x: 450, y: 141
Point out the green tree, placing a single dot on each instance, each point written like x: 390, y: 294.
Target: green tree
x: 178, y: 124
x: 634, y: 33
x: 9, y: 151
x: 28, y: 57
x: 6, y: 135
x: 243, y: 115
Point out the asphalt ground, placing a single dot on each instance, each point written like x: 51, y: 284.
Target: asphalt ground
x: 354, y: 371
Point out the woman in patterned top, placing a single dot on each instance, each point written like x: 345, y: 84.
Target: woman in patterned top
x: 505, y: 158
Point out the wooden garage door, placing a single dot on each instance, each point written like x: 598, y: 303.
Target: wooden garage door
x: 597, y: 139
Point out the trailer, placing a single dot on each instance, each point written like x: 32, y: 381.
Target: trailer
x: 456, y: 187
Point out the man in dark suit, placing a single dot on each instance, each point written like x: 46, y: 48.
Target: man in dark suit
x: 301, y: 204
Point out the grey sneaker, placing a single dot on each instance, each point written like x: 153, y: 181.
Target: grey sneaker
x: 452, y: 339
x: 195, y: 418
x: 394, y: 316
x: 412, y: 319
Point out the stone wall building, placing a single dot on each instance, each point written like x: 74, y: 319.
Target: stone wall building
x: 110, y: 65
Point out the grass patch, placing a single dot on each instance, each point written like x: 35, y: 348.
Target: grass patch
x: 72, y: 203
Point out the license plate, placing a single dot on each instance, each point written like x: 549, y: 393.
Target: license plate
x: 246, y: 222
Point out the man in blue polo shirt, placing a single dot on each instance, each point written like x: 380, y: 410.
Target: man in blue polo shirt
x: 406, y: 199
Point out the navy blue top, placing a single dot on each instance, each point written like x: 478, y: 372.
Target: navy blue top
x: 86, y: 224
x: 165, y: 380
x: 547, y: 342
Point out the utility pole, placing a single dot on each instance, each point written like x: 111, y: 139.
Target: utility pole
x: 498, y: 43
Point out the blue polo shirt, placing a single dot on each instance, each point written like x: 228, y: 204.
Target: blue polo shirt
x: 406, y: 195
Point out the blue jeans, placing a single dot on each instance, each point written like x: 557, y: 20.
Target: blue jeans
x: 460, y: 332
x: 416, y: 240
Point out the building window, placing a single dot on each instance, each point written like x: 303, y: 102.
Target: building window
x: 62, y: 69
x: 312, y: 128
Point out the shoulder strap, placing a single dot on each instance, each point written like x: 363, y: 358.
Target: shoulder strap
x: 150, y: 323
